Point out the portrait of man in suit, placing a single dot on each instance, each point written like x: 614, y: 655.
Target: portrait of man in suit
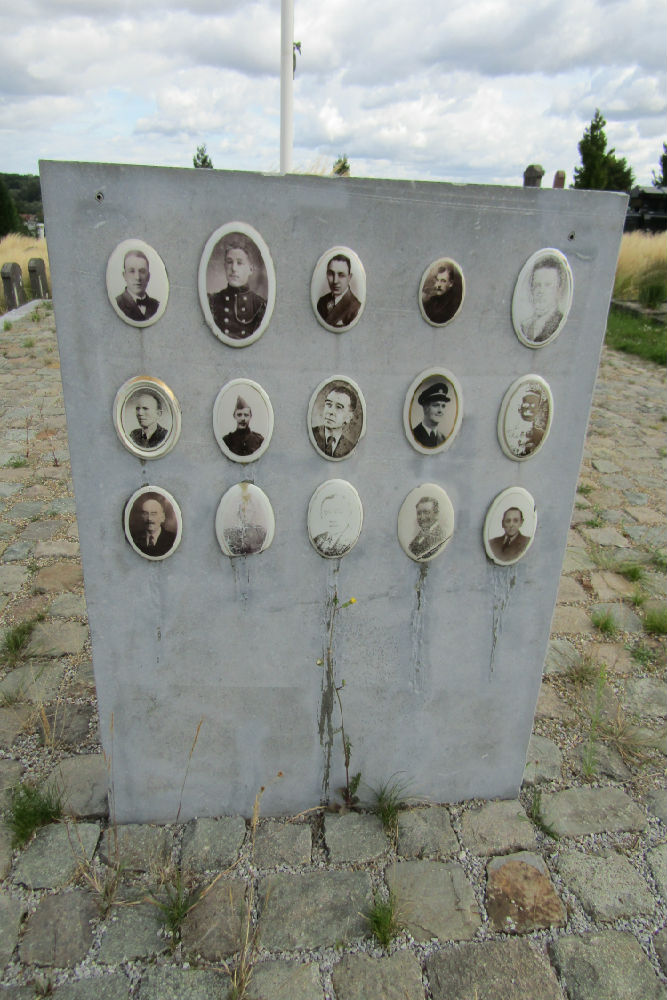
x: 340, y: 306
x: 512, y: 543
x: 133, y: 301
x: 147, y: 407
x: 442, y: 292
x: 430, y: 535
x: 546, y: 287
x: 433, y: 401
x: 332, y: 436
x: 238, y: 309
x: 148, y: 527
x: 336, y: 516
x: 243, y: 440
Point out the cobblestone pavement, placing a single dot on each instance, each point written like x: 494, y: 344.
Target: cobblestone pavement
x: 560, y: 893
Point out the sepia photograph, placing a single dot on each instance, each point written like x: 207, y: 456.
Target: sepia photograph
x: 433, y: 411
x: 509, y: 526
x: 525, y: 417
x: 338, y: 289
x: 425, y: 522
x: 243, y: 420
x: 237, y: 284
x: 153, y: 523
x: 244, y: 522
x: 137, y: 283
x: 441, y: 291
x: 542, y: 298
x: 147, y: 417
x: 336, y: 418
x: 335, y: 517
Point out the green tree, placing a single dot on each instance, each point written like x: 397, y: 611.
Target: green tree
x: 601, y: 169
x: 201, y: 158
x: 9, y: 217
x: 660, y: 180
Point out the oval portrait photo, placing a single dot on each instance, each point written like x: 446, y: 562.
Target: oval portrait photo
x: 147, y: 417
x: 425, y: 522
x: 243, y: 420
x: 338, y: 289
x: 542, y: 298
x: 433, y: 411
x: 441, y: 291
x: 237, y: 284
x: 509, y: 526
x: 244, y: 522
x: 335, y: 516
x: 153, y: 523
x: 525, y: 417
x: 336, y: 418
x: 137, y: 283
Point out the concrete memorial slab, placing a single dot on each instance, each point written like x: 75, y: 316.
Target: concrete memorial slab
x: 441, y: 659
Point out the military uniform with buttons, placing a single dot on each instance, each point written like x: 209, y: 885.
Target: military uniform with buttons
x: 237, y: 312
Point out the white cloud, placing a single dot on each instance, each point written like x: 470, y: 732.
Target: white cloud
x: 470, y: 92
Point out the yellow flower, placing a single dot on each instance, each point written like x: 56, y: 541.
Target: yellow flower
x: 353, y: 600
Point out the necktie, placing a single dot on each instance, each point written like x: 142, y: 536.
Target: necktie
x: 331, y: 444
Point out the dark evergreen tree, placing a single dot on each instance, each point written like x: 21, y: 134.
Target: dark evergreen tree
x: 660, y: 180
x: 201, y: 158
x: 9, y: 217
x: 601, y: 169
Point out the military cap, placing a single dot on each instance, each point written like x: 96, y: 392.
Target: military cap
x: 437, y: 391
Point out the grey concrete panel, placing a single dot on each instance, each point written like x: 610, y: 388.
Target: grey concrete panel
x: 442, y: 662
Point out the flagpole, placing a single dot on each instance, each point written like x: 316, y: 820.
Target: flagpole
x: 286, y: 85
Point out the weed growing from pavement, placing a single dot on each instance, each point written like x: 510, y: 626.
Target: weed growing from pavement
x: 6, y: 326
x: 597, y: 520
x: 637, y: 597
x: 15, y: 641
x: 631, y: 571
x: 31, y: 806
x: 641, y: 654
x: 655, y: 621
x: 634, y: 744
x: 583, y: 671
x: 604, y: 621
x: 585, y: 489
x: 383, y: 920
x: 589, y: 758
x: 181, y: 897
x: 535, y: 815
x: 241, y: 971
x: 659, y: 560
x: 389, y: 800
x: 16, y: 462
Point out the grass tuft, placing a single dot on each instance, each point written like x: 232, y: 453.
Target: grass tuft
x: 16, y: 462
x: 585, y: 489
x: 631, y: 571
x: 655, y: 621
x: 30, y: 807
x: 535, y: 815
x: 180, y: 899
x: 633, y: 743
x: 389, y: 800
x: 604, y: 621
x: 583, y: 671
x: 15, y: 641
x: 383, y: 920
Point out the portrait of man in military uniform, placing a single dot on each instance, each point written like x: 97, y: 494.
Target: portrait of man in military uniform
x: 244, y: 523
x: 237, y: 308
x: 243, y: 420
x: 433, y: 411
x: 237, y: 284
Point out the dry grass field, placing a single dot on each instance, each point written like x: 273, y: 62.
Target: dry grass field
x: 18, y: 249
x: 642, y: 259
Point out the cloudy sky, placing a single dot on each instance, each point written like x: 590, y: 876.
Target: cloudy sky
x: 458, y: 91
